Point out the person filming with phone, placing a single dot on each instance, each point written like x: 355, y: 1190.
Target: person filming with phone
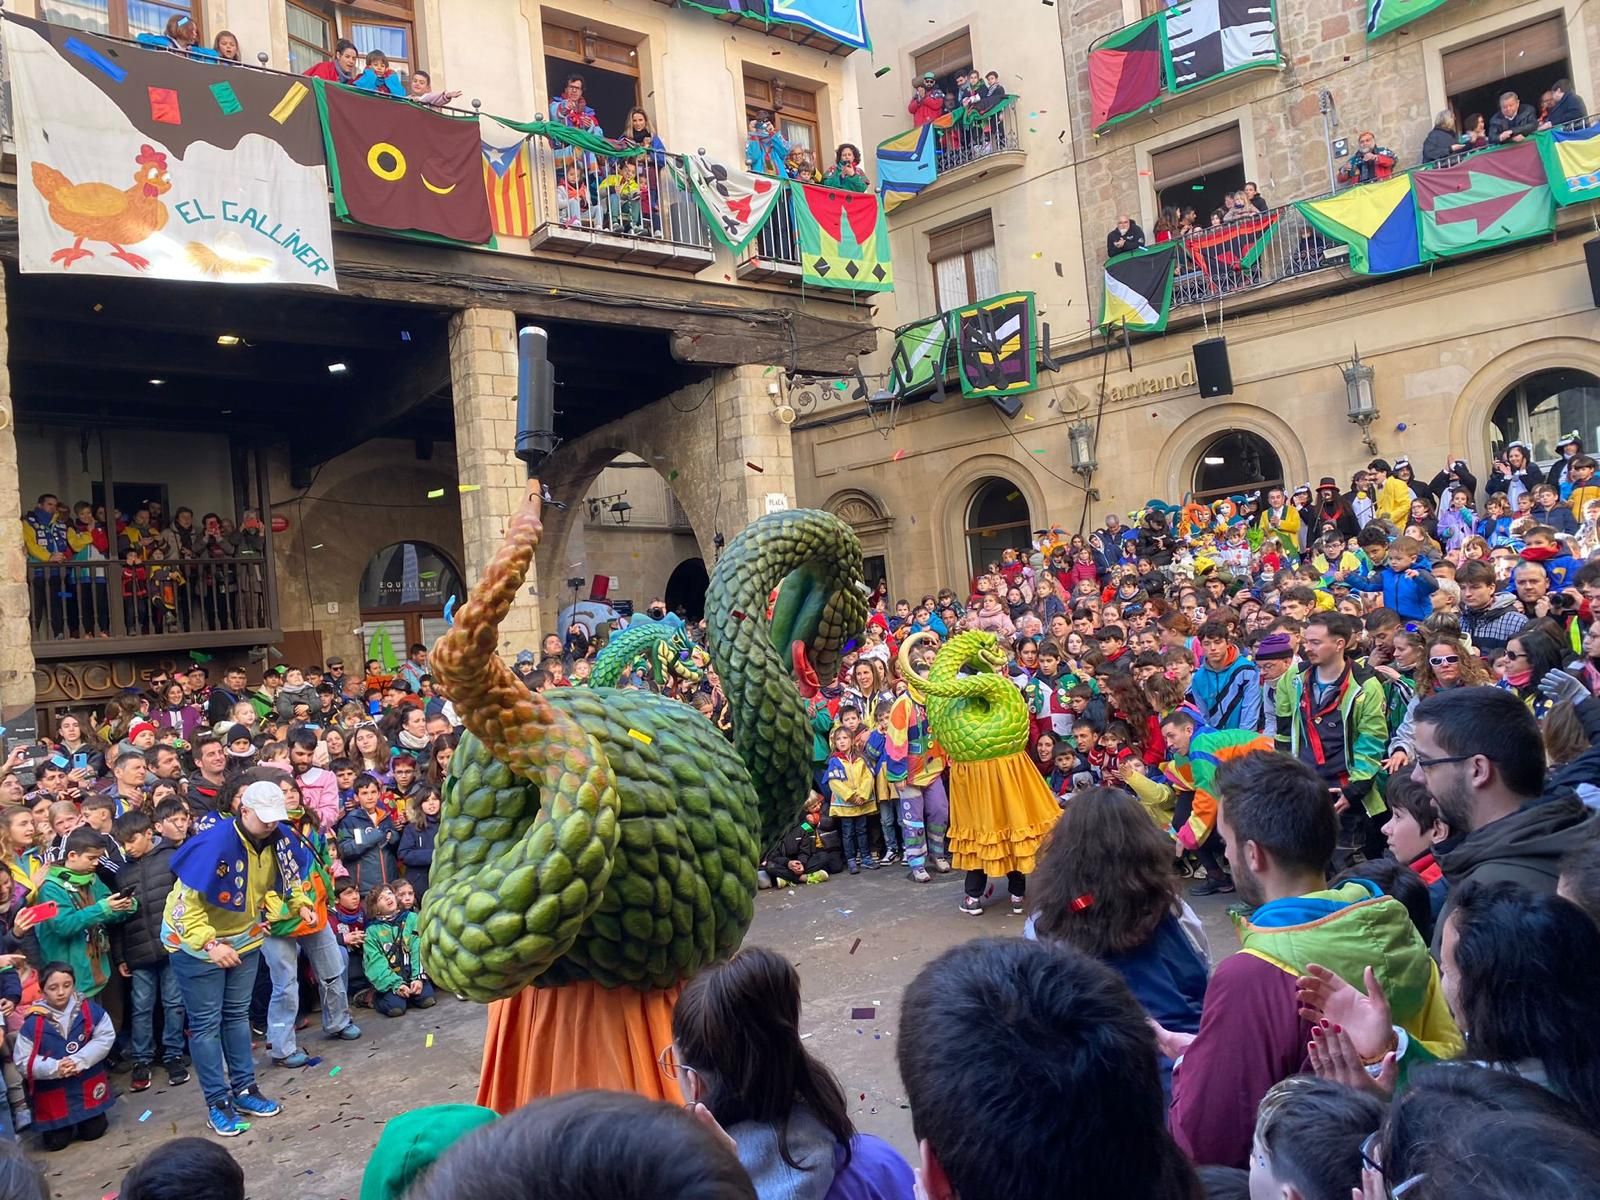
x: 77, y: 932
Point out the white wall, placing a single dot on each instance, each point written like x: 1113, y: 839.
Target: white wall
x: 193, y: 465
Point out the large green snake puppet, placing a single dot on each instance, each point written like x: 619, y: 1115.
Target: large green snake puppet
x: 612, y: 836
x: 1000, y: 808
x: 665, y: 650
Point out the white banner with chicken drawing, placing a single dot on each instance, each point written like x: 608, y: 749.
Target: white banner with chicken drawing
x: 138, y: 162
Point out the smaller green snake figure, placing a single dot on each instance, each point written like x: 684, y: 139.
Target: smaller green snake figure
x: 976, y: 716
x: 665, y: 649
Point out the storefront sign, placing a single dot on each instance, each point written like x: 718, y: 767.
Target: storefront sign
x: 1151, y: 385
x: 73, y: 680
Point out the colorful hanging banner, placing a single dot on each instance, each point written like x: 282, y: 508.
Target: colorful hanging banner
x: 1235, y: 245
x: 843, y: 237
x: 995, y: 346
x: 133, y: 162
x: 1138, y: 288
x: 1125, y: 72
x: 1208, y: 39
x: 843, y: 20
x: 1377, y: 221
x: 507, y: 178
x: 920, y: 353
x: 737, y: 204
x: 1486, y: 200
x: 906, y: 165
x: 404, y: 167
x: 1385, y: 16
x: 1572, y: 163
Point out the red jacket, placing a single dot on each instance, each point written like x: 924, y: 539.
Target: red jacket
x: 926, y: 110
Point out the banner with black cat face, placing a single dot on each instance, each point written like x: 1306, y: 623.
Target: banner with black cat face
x: 996, y: 346
x: 134, y: 161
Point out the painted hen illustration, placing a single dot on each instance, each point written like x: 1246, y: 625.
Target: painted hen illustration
x: 98, y: 212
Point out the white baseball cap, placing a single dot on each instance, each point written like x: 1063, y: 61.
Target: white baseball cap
x: 264, y: 799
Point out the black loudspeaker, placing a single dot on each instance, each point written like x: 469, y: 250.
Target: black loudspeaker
x: 1591, y: 255
x: 1211, y: 369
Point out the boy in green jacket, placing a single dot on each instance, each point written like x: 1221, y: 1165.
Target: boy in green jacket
x: 391, y: 956
x: 76, y: 935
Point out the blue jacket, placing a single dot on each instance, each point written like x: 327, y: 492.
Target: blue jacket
x: 1229, y: 698
x: 1407, y: 595
x: 1559, y: 518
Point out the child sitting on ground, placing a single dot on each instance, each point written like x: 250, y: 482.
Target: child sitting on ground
x: 61, y: 1050
x: 808, y: 852
x: 391, y: 956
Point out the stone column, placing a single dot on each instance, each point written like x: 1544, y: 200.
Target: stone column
x: 16, y: 648
x: 755, y: 454
x: 483, y: 382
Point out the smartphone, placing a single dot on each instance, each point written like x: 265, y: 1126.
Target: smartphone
x: 42, y: 912
x: 80, y: 761
x: 374, y: 707
x: 123, y: 894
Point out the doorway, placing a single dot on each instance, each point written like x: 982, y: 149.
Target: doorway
x: 686, y: 589
x: 1234, y: 461
x: 404, y: 591
x: 997, y: 520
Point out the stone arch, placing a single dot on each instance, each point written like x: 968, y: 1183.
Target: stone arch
x: 955, y: 494
x: 1474, y: 407
x: 869, y: 517
x: 1178, y: 456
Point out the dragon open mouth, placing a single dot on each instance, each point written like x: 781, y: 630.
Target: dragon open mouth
x: 806, y: 627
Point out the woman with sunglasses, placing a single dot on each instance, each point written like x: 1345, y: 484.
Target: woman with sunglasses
x: 736, y: 1049
x: 1449, y: 664
x: 1528, y: 657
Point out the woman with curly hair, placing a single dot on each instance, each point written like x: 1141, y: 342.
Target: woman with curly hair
x: 1105, y: 886
x: 1449, y: 664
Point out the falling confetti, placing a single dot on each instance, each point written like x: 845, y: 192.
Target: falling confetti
x: 1013, y: 495
x: 1038, y: 254
x: 1058, y: 269
x: 672, y: 474
x: 1038, y: 451
x: 334, y: 1072
x: 468, y: 487
x: 757, y: 468
x: 855, y: 945
x: 640, y: 737
x: 897, y: 456
x: 737, y: 615
x: 880, y: 72
x: 436, y: 493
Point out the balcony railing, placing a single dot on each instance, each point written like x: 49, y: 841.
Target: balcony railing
x: 1240, y: 256
x: 636, y: 210
x: 76, y: 606
x: 775, y: 251
x: 989, y: 135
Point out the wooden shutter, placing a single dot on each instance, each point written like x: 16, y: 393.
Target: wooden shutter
x: 1192, y: 160
x: 1504, y: 55
x: 969, y: 234
x: 949, y: 56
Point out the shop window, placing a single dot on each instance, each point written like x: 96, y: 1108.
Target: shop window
x: 963, y: 260
x: 608, y: 66
x: 1236, y: 461
x: 945, y: 59
x: 120, y: 18
x: 1525, y: 60
x: 793, y: 107
x: 1199, y: 174
x: 1542, y: 407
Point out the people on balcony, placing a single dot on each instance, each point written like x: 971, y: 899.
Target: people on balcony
x: 847, y: 174
x: 1442, y: 141
x: 1370, y: 161
x: 1254, y: 198
x: 380, y: 76
x: 420, y: 86
x: 1567, y: 107
x: 927, y: 100
x: 991, y: 93
x: 573, y: 110
x: 765, y: 147
x: 1513, y: 122
x: 226, y: 47
x: 802, y: 165
x: 1124, y: 237
x: 181, y: 36
x: 341, y: 68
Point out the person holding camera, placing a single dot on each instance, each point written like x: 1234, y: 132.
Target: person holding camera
x: 927, y: 100
x: 766, y: 150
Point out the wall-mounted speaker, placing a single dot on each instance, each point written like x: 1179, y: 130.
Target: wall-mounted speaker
x: 1211, y: 369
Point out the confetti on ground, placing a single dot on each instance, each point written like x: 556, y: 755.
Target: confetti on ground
x: 334, y: 1072
x: 844, y: 912
x: 640, y: 737
x: 1026, y: 417
x: 863, y: 1014
x: 436, y: 493
x: 757, y: 468
x: 855, y: 945
x: 468, y: 487
x: 145, y: 1117
x: 428, y: 1045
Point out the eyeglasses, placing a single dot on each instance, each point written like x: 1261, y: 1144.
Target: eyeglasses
x: 1443, y: 660
x: 1369, y: 1159
x: 667, y: 1060
x: 1425, y: 762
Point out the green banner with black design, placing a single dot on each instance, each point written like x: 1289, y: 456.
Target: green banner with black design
x: 843, y: 238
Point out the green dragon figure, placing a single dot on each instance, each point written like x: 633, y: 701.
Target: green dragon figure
x: 612, y: 836
x: 665, y: 649
x: 977, y: 716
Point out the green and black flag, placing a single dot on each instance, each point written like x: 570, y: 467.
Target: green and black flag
x: 1138, y: 288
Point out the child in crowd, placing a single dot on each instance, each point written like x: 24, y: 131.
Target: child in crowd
x: 391, y: 956
x: 172, y: 822
x: 349, y: 920
x: 888, y: 796
x: 367, y: 838
x: 61, y: 1050
x: 416, y: 840
x: 406, y: 895
x: 137, y: 948
x: 853, y: 799
x: 77, y: 934
x: 1406, y: 581
x: 1416, y: 830
x: 808, y: 852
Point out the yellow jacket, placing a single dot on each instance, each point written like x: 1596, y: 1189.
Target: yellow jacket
x: 1287, y: 530
x: 1394, y: 501
x: 850, y: 788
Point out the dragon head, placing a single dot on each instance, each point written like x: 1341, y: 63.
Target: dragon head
x: 813, y: 615
x: 152, y: 172
x: 990, y: 655
x: 679, y: 656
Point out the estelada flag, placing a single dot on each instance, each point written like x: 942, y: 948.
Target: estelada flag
x: 1125, y: 72
x: 402, y: 166
x: 1138, y: 288
x: 507, y: 178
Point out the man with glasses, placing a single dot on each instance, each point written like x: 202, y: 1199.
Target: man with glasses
x: 1333, y: 716
x: 1479, y: 754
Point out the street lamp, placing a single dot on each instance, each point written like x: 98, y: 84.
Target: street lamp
x: 1363, y: 407
x: 1080, y: 440
x: 621, y: 512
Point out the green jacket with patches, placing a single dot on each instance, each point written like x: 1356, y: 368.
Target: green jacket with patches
x: 1363, y: 711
